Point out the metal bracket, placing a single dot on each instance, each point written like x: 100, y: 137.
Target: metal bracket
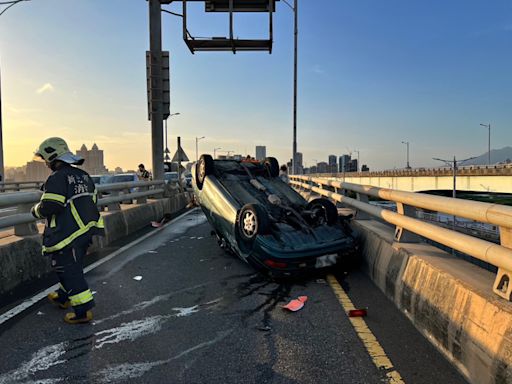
x: 402, y: 235
x: 502, y: 285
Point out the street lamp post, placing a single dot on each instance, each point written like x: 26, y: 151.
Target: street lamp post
x: 197, y: 140
x: 8, y: 4
x: 2, y: 174
x: 453, y: 165
x: 488, y: 126
x: 295, y: 50
x: 407, y: 143
x: 215, y: 151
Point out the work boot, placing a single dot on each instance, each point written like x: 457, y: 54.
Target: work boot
x: 73, y: 318
x: 53, y: 297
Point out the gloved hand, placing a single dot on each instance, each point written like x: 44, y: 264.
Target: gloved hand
x: 35, y: 211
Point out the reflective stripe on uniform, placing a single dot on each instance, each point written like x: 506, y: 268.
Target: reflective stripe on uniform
x: 76, y: 215
x: 53, y: 222
x: 68, y: 240
x: 54, y: 197
x: 81, y: 298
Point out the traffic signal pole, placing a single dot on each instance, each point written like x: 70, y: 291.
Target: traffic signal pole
x: 156, y: 102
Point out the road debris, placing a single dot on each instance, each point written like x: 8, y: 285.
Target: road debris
x: 361, y: 312
x: 296, y: 304
x: 138, y: 278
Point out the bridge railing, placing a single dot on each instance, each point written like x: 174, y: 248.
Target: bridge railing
x: 466, y: 170
x: 407, y: 227
x: 15, y: 206
x: 20, y: 185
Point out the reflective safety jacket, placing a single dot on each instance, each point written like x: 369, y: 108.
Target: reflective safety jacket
x: 69, y: 206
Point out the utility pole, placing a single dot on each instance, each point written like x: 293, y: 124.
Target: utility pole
x: 295, y: 34
x: 2, y: 173
x: 156, y: 96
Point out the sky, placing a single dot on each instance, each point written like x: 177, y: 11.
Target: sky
x: 371, y: 74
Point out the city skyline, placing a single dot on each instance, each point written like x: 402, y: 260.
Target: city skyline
x: 369, y: 86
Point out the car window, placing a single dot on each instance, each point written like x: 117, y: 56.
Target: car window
x: 122, y: 178
x: 105, y: 179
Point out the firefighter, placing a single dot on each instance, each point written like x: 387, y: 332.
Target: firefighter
x: 69, y: 206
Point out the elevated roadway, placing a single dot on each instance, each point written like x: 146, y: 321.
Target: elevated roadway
x: 486, y: 179
x: 175, y: 308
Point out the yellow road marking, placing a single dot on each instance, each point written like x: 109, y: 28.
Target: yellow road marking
x: 371, y: 344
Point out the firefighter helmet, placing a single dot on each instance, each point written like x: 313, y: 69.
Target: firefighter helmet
x: 56, y: 148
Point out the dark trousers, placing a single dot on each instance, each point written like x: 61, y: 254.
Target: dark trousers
x: 68, y: 264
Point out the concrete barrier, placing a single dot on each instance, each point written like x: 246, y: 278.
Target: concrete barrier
x: 449, y: 300
x: 21, y: 260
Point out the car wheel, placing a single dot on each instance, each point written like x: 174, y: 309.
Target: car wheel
x: 204, y: 167
x: 272, y: 166
x: 253, y: 220
x: 324, y: 211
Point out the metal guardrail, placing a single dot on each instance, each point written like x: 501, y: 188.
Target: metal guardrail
x: 20, y: 185
x: 408, y: 227
x: 109, y: 196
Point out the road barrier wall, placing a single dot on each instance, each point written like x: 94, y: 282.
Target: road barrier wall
x: 446, y: 298
x: 20, y: 256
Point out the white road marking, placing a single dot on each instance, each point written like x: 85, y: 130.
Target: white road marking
x: 41, y: 295
x: 127, y: 371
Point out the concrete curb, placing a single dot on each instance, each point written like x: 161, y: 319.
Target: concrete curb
x: 21, y: 260
x: 449, y: 300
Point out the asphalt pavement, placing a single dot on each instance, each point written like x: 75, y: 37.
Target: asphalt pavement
x: 175, y: 308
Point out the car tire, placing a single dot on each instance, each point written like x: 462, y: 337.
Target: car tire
x: 325, y: 209
x: 272, y: 166
x: 204, y: 167
x: 252, y: 220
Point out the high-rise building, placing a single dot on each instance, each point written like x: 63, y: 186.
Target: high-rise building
x: 93, y: 164
x: 322, y: 167
x: 353, y: 165
x: 333, y: 167
x: 37, y: 171
x: 261, y: 152
x: 344, y: 163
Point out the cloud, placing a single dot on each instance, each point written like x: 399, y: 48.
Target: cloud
x: 45, y: 88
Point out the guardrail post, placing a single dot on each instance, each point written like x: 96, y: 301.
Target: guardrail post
x: 114, y: 206
x: 142, y: 200
x: 502, y: 285
x: 28, y: 228
x: 360, y: 215
x: 402, y: 235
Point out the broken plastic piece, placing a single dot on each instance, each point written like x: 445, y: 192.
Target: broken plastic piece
x: 357, y: 312
x: 138, y: 278
x: 296, y: 304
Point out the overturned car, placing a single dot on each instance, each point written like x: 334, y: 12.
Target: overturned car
x: 264, y: 221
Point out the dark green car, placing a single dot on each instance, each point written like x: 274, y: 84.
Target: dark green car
x: 264, y: 221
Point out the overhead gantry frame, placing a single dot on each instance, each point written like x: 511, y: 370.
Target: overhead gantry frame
x: 230, y: 43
